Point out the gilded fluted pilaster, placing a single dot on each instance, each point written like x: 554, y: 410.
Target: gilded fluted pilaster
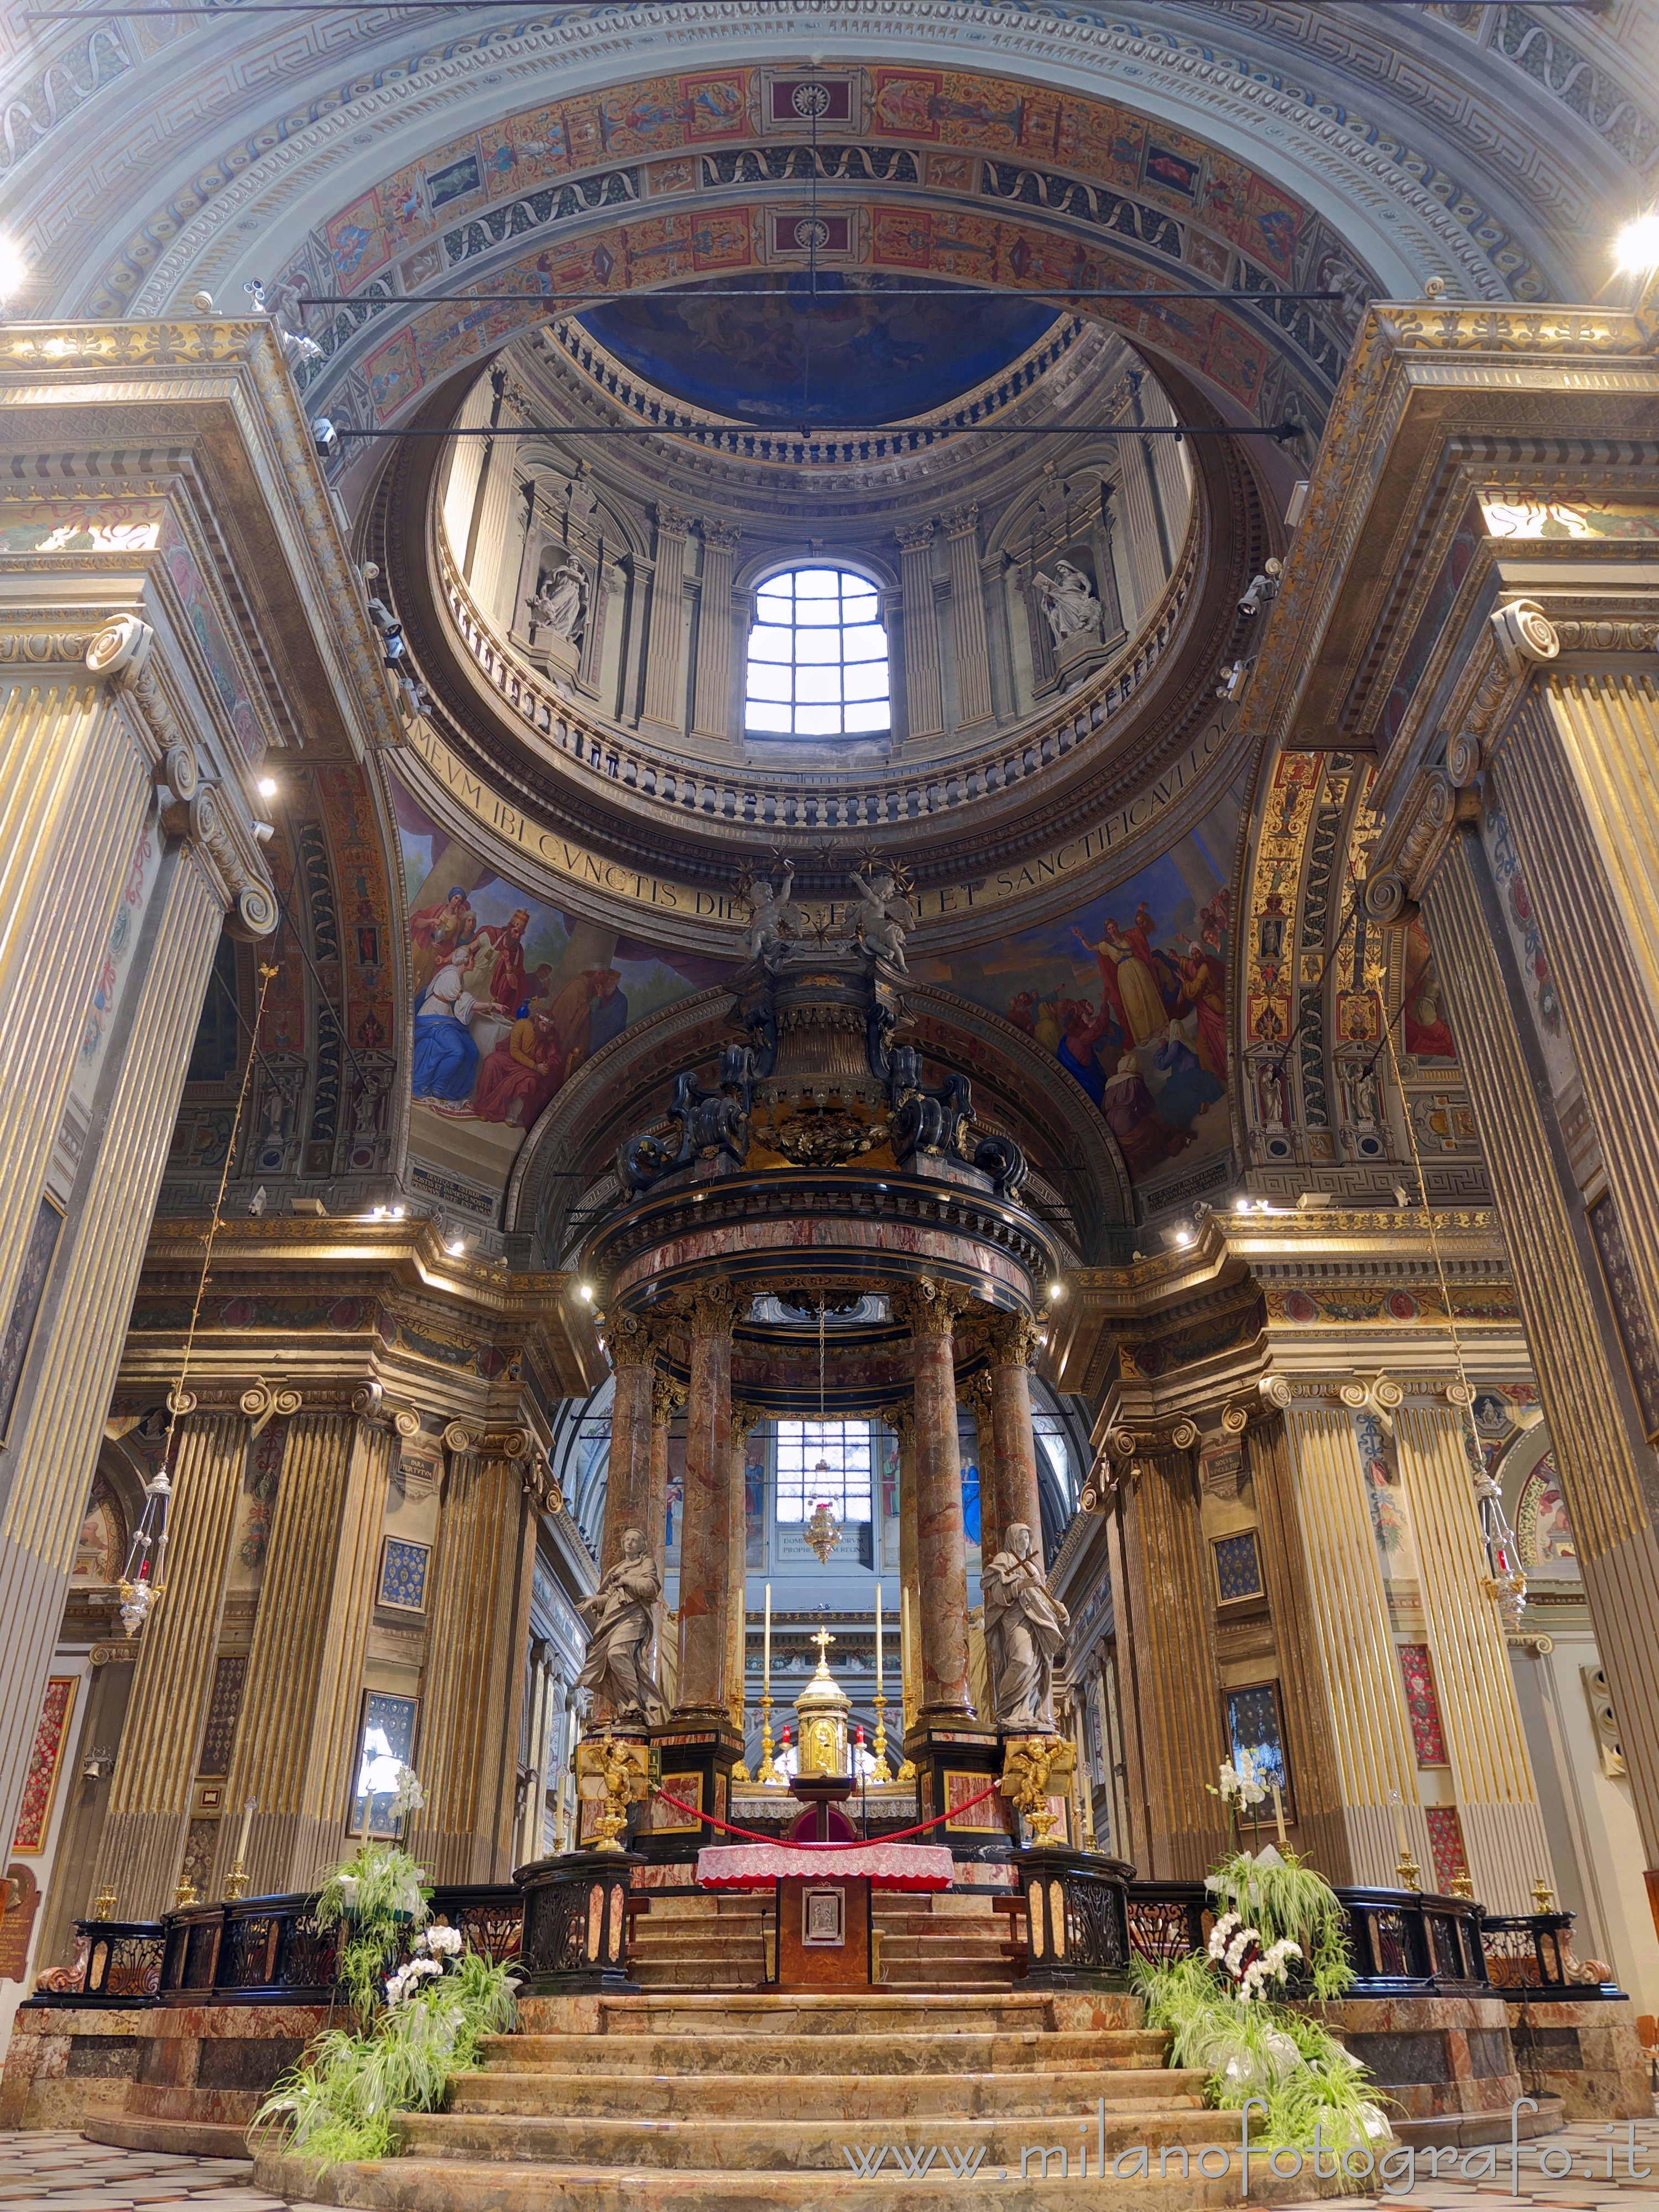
x: 475, y: 1660
x: 1371, y: 1729
x: 297, y: 1733
x: 150, y: 1800
x: 1563, y: 1307
x: 1170, y: 1616
x: 58, y: 1420
x: 1321, y: 1830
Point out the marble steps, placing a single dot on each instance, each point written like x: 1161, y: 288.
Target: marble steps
x: 793, y: 2056
x: 824, y: 2095
x: 773, y: 2145
x: 856, y: 2012
x: 452, y: 2185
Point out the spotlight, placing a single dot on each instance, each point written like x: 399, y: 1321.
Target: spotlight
x: 392, y: 637
x: 14, y: 268
x: 585, y: 1292
x: 324, y: 437
x: 1636, y: 249
x: 398, y: 1211
x: 1056, y: 1289
x: 1241, y: 1206
x: 1262, y: 589
x: 267, y: 786
x: 455, y: 1248
x: 1183, y: 1236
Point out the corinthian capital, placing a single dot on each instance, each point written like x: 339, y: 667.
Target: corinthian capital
x: 929, y: 1308
x: 1014, y: 1340
x: 915, y: 536
x: 673, y: 521
x: 960, y: 521
x: 634, y: 1342
x: 902, y: 1421
x: 709, y: 1308
x: 722, y: 536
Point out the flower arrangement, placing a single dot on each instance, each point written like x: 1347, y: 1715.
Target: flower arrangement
x: 1247, y: 1958
x: 431, y: 1950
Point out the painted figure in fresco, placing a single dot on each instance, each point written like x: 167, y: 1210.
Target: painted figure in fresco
x: 1203, y: 981
x: 509, y: 984
x: 436, y: 932
x: 1144, y: 1137
x: 1426, y: 1031
x: 588, y: 1012
x: 1130, y: 980
x: 617, y: 1669
x: 1069, y: 601
x: 445, y: 1058
x: 1191, y: 1087
x: 523, y: 1072
x: 560, y: 602
x: 1024, y: 1633
x: 1388, y: 1521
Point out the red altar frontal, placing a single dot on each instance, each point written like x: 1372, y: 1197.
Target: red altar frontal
x: 823, y: 1898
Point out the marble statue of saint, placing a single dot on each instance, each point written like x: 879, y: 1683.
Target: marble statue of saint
x: 773, y: 917
x: 617, y: 1669
x: 560, y: 602
x: 882, y: 915
x: 1025, y: 1633
x: 1068, y: 600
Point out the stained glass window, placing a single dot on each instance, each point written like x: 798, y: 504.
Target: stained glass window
x: 817, y: 657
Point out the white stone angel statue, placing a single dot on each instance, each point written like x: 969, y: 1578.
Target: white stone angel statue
x: 774, y: 918
x: 882, y: 915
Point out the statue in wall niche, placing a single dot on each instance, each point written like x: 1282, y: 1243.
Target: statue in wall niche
x: 882, y: 915
x: 1069, y: 601
x: 617, y: 1669
x: 560, y: 602
x: 1025, y: 1633
x: 774, y: 918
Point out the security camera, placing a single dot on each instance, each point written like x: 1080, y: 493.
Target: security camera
x: 324, y: 437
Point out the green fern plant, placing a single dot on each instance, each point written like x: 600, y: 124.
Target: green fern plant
x: 378, y: 1896
x: 1294, y: 2065
x: 341, y: 2105
x: 1283, y: 1896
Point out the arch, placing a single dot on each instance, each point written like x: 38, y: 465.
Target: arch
x: 813, y: 666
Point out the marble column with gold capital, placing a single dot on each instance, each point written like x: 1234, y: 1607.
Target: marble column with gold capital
x: 667, y: 1399
x: 744, y: 1421
x: 143, y: 1838
x: 476, y: 1638
x: 931, y: 1312
x: 902, y: 1421
x: 705, y: 1523
x: 296, y: 1734
x: 1012, y: 1342
x: 634, y: 1346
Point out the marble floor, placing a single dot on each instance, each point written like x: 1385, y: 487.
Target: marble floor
x: 55, y: 2172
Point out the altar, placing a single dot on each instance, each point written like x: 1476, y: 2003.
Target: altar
x: 824, y: 1917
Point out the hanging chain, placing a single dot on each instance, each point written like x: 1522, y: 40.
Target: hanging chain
x: 1506, y: 1580
x: 142, y: 1577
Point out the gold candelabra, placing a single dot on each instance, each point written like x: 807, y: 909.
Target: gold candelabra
x: 103, y: 1907
x: 185, y: 1895
x: 768, y: 1771
x: 236, y: 1880
x: 1543, y: 1897
x: 884, y: 1772
x: 1461, y: 1886
x: 1407, y: 1872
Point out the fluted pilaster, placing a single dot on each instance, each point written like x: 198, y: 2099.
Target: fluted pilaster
x: 924, y: 691
x: 973, y: 647
x: 143, y: 1838
x: 476, y: 1643
x: 665, y: 688
x: 711, y: 714
x: 296, y: 1738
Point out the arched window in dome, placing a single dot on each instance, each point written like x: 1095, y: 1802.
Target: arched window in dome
x: 817, y: 657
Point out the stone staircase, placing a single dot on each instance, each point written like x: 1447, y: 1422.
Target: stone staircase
x: 948, y: 1942
x: 738, y: 2100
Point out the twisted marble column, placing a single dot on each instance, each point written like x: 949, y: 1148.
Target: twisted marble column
x: 705, y: 1525
x: 930, y: 1310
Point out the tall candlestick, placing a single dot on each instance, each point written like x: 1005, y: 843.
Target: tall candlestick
x: 766, y: 1662
x: 1279, y: 1812
x: 904, y: 1651
x: 877, y: 1639
x: 1399, y: 1804
x: 248, y: 1812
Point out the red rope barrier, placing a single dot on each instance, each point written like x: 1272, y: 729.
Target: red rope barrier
x: 750, y: 1835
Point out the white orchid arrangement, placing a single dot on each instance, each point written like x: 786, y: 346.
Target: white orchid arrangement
x: 1250, y: 1963
x: 1242, y: 1778
x: 431, y: 1950
x: 410, y: 1796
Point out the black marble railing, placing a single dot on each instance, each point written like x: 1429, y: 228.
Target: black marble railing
x: 262, y: 1950
x: 1403, y: 1943
x: 1529, y: 1954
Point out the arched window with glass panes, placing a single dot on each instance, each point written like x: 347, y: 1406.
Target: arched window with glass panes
x: 817, y: 657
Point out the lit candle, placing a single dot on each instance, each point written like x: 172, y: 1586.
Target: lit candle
x: 766, y: 1662
x: 877, y: 1639
x: 904, y: 1647
x: 248, y: 1812
x: 1279, y: 1812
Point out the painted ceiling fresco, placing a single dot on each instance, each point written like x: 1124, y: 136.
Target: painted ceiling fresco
x: 830, y: 348
x: 512, y: 996
x: 1127, y: 994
